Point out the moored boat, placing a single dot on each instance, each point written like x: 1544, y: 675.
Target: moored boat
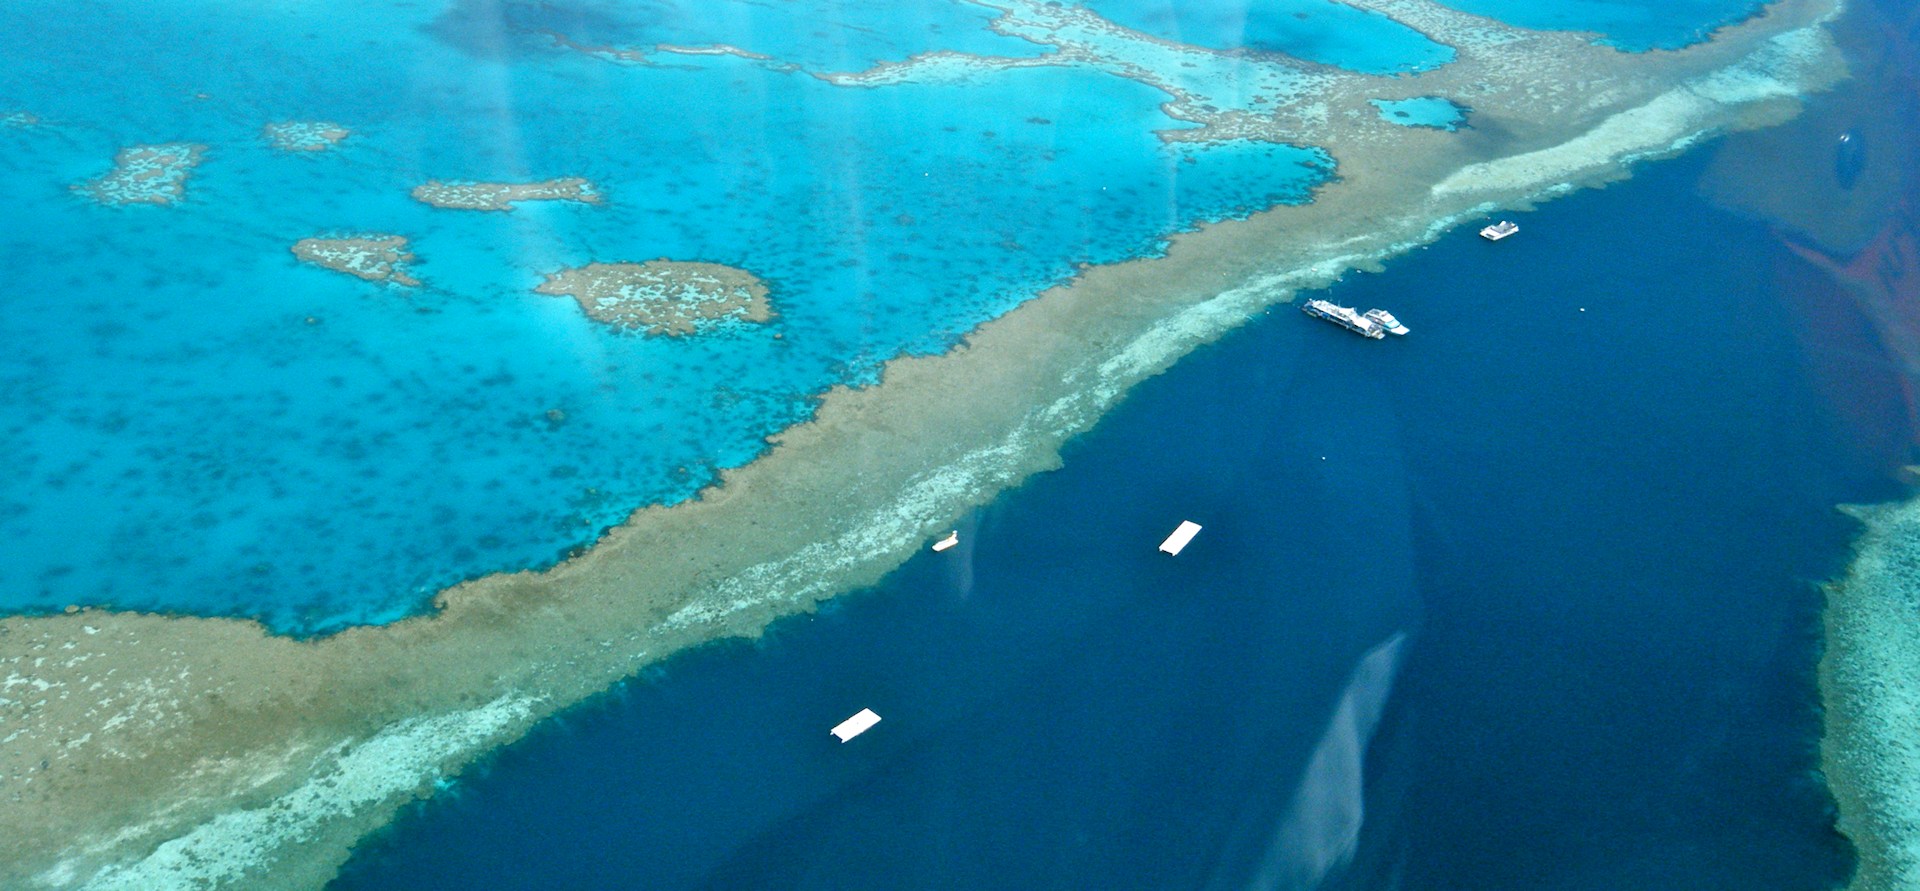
x: 1346, y: 317
x: 1386, y: 321
x: 1499, y: 230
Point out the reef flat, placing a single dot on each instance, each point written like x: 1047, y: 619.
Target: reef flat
x: 304, y: 136
x: 1870, y: 682
x: 501, y: 196
x: 663, y: 297
x: 145, y: 751
x: 375, y: 258
x: 146, y: 174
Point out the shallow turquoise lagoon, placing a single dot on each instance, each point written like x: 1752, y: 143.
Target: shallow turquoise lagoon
x: 200, y: 423
x: 1316, y: 30
x: 1422, y: 111
x: 829, y: 35
x: 1633, y: 25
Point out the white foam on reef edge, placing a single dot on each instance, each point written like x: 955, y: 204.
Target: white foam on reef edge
x: 234, y: 846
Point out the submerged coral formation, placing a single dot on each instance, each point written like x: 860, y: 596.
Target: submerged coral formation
x: 376, y: 258
x: 664, y: 297
x: 146, y: 174
x: 304, y: 136
x: 501, y: 196
x: 1870, y: 681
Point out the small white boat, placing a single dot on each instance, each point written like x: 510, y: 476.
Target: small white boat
x: 1387, y: 321
x: 862, y: 721
x: 1499, y: 230
x: 953, y: 538
x: 1177, y: 542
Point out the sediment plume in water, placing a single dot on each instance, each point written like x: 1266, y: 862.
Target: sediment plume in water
x: 169, y: 752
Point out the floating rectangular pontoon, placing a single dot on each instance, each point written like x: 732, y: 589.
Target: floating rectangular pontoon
x: 1178, y: 540
x: 861, y: 722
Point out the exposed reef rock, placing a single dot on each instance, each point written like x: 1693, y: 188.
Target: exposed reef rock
x: 664, y: 297
x: 375, y: 258
x: 501, y: 196
x: 304, y: 136
x: 146, y: 174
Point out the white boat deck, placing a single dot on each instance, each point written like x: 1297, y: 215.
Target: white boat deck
x: 1177, y: 542
x: 1387, y: 321
x: 862, y: 721
x: 1346, y: 317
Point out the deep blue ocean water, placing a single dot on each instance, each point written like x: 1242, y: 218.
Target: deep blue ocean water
x: 1593, y: 488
